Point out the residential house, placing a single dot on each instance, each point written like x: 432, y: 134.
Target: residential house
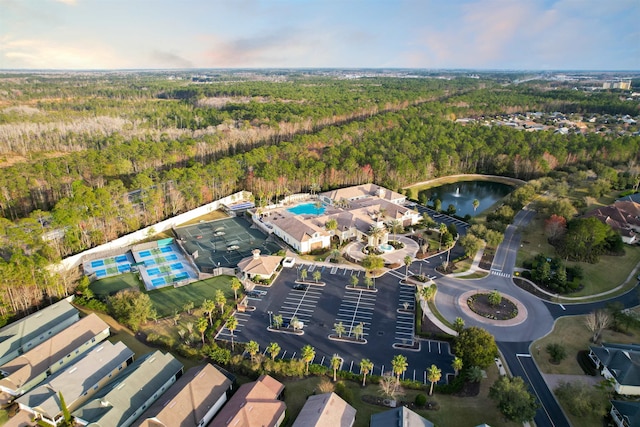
x: 625, y: 414
x: 77, y: 383
x: 327, y: 409
x: 21, y: 336
x: 623, y: 216
x: 26, y: 371
x: 399, y: 417
x: 254, y: 404
x: 191, y: 402
x: 620, y: 362
x: 123, y: 400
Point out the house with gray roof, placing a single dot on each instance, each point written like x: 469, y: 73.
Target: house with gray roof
x: 124, y: 399
x: 77, y: 383
x: 21, y: 336
x: 625, y: 414
x: 399, y: 417
x: 191, y: 402
x: 26, y: 371
x: 327, y: 409
x: 620, y: 362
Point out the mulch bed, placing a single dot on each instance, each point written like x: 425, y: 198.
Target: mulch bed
x: 503, y: 311
x: 487, y: 260
x: 379, y: 401
x: 469, y: 389
x: 428, y: 327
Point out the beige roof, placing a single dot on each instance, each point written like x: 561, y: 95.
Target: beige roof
x: 264, y: 265
x: 364, y: 190
x: 187, y: 402
x: 255, y: 404
x: 36, y: 361
x: 299, y: 228
x: 326, y: 409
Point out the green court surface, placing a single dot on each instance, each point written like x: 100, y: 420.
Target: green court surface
x: 112, y: 270
x: 109, y: 261
x: 167, y: 300
x: 111, y: 285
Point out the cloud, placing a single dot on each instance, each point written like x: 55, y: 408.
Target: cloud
x: 169, y: 60
x: 67, y: 2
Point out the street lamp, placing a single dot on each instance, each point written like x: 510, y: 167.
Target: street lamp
x: 270, y: 313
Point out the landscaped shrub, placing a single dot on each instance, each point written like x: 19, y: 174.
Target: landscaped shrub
x: 344, y: 392
x: 420, y: 400
x: 557, y: 352
x: 316, y: 369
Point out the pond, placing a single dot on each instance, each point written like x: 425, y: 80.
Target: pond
x: 462, y: 194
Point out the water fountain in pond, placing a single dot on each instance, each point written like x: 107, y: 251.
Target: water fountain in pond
x: 457, y: 194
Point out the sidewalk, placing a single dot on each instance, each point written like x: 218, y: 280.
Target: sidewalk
x: 475, y: 265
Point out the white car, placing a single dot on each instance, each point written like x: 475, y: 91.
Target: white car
x: 289, y: 262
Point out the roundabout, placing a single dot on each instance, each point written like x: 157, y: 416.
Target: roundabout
x: 518, y: 319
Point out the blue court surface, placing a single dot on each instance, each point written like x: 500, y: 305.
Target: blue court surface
x: 124, y: 267
x: 166, y: 249
x: 144, y: 254
x: 153, y: 271
x: 100, y: 273
x: 176, y: 266
x: 158, y: 281
x: 97, y: 263
x: 172, y: 257
x: 121, y: 258
x: 181, y: 276
x: 149, y: 262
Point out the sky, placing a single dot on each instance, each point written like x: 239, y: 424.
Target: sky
x: 431, y: 34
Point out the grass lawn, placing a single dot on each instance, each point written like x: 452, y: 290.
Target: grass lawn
x: 453, y: 412
x: 598, y: 278
x: 167, y: 300
x: 111, y: 285
x: 211, y: 216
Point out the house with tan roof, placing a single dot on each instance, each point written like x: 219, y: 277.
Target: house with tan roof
x: 363, y: 191
x: 191, y: 402
x: 21, y: 336
x: 254, y: 404
x: 623, y: 216
x: 327, y: 409
x: 303, y: 235
x: 26, y: 371
x: 78, y: 383
x: 259, y: 266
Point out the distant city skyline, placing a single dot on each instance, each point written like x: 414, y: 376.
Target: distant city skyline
x: 433, y: 34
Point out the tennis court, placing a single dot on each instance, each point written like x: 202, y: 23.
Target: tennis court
x: 162, y: 263
x: 108, y: 266
x: 223, y: 242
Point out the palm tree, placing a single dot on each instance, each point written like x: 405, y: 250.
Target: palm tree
x: 428, y: 292
x: 407, y: 262
x: 358, y: 330
x: 476, y: 203
x: 236, y: 284
x: 252, y: 348
x: 395, y: 226
x: 188, y: 306
x: 303, y: 274
x: 314, y: 188
x: 339, y: 328
x: 365, y: 367
x: 208, y: 306
x: 221, y: 300
x: 458, y: 324
x: 368, y: 281
x: 336, y: 361
x: 331, y: 224
x: 273, y: 349
x: 232, y: 324
x: 176, y: 317
x: 442, y: 228
x: 317, y: 275
x: 376, y: 232
x: 335, y: 254
x: 475, y: 374
x: 354, y: 280
x: 433, y: 375
x: 399, y: 365
x: 456, y: 365
x: 277, y: 321
x: 202, y: 325
x: 307, y: 354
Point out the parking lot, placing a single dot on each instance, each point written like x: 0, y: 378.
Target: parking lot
x: 320, y: 307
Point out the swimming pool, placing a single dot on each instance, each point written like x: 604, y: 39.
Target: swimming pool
x: 307, y: 209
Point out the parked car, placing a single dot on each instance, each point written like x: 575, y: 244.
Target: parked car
x: 300, y: 287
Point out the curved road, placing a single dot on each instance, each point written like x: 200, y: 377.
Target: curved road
x: 514, y: 341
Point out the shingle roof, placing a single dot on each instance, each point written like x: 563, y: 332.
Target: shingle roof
x: 629, y: 410
x: 399, y: 417
x: 15, y: 335
x: 298, y: 228
x: 264, y: 265
x: 254, y: 404
x: 363, y: 190
x: 622, y: 360
x: 188, y: 400
x: 77, y: 379
x: 127, y: 393
x: 326, y: 409
x: 24, y: 368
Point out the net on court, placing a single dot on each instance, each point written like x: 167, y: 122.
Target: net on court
x: 223, y: 242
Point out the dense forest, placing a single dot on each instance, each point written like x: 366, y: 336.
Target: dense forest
x: 87, y: 157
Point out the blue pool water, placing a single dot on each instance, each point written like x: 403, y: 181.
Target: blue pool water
x: 166, y: 249
x: 145, y: 254
x: 307, y: 209
x: 176, y: 266
x: 101, y: 273
x: 171, y: 257
x: 97, y: 263
x: 158, y: 281
x: 121, y: 258
x: 153, y: 271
